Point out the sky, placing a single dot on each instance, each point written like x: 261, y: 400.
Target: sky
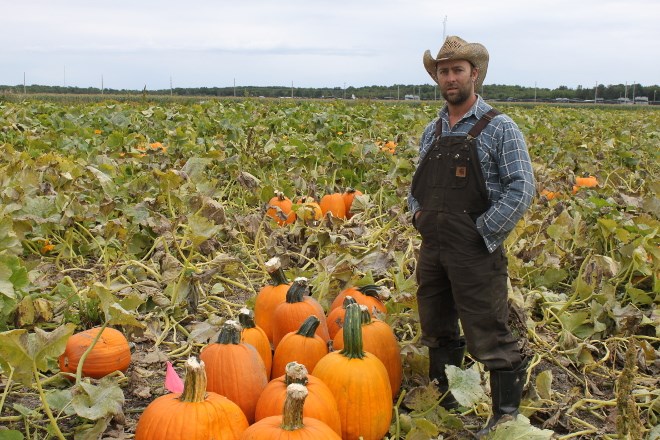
x: 158, y: 44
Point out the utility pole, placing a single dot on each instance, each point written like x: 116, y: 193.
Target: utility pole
x: 25, y: 90
x: 596, y: 93
x: 444, y: 29
x: 171, y: 89
x: 101, y: 84
x: 291, y: 89
x: 234, y: 87
x: 534, y: 91
x: 65, y: 76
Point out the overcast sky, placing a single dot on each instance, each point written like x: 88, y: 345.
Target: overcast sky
x: 319, y: 43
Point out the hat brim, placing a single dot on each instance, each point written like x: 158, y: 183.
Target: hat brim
x: 474, y: 53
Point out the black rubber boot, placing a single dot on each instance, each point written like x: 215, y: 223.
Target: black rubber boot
x: 506, y: 387
x: 439, y: 358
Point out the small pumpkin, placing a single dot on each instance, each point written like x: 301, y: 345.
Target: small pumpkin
x: 193, y: 414
x: 254, y: 335
x: 309, y: 210
x: 291, y: 425
x: 110, y: 353
x: 336, y: 316
x: 360, y: 383
x: 587, y: 182
x: 229, y: 359
x: 299, y: 305
x: 280, y: 208
x: 270, y: 296
x: 549, y: 195
x: 379, y: 339
x: 303, y: 346
x: 320, y: 403
x: 348, y: 196
x: 333, y: 203
x: 366, y: 295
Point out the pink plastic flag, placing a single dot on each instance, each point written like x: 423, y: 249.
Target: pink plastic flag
x: 172, y: 380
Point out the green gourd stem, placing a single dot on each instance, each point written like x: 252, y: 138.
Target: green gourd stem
x: 366, y: 315
x: 353, y: 333
x: 295, y: 373
x: 297, y: 291
x: 246, y: 318
x: 230, y: 333
x: 370, y: 290
x: 194, y: 385
x: 292, y: 417
x: 82, y: 359
x: 44, y: 402
x: 309, y: 326
x: 274, y: 268
x: 348, y: 299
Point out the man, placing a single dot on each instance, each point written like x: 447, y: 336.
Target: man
x: 473, y: 183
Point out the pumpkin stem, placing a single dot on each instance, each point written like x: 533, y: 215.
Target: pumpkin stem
x: 348, y: 299
x: 370, y: 290
x: 230, y: 333
x: 309, y: 326
x: 274, y: 269
x: 295, y: 373
x: 353, y: 333
x: 246, y: 318
x: 297, y: 291
x: 366, y: 315
x: 292, y: 417
x: 194, y: 385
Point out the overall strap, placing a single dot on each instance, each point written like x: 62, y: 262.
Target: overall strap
x: 482, y: 123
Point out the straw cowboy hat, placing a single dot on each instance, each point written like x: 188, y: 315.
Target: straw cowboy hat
x: 455, y: 48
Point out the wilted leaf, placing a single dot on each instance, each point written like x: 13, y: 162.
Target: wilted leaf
x: 465, y: 385
x: 520, y: 429
x: 544, y: 384
x: 422, y: 398
x: 95, y: 402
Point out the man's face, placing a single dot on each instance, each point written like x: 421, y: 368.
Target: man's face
x: 456, y: 79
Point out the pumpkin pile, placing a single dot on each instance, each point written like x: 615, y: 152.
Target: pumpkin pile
x: 260, y: 377
x: 285, y: 211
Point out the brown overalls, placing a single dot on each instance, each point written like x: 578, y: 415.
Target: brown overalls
x: 457, y: 277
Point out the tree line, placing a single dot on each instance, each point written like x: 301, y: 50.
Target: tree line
x: 397, y: 91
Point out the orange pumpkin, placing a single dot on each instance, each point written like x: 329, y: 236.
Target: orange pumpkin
x: 110, y: 353
x: 270, y: 297
x: 289, y: 316
x: 348, y: 197
x: 309, y: 210
x: 359, y: 382
x: 291, y: 425
x: 280, y: 209
x: 587, y: 182
x: 194, y: 414
x: 320, y: 403
x: 365, y: 295
x: 336, y: 316
x: 303, y: 346
x: 549, y: 194
x: 333, y: 203
x: 254, y: 335
x: 229, y: 359
x: 379, y: 339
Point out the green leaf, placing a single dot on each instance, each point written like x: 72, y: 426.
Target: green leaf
x: 465, y: 385
x: 10, y: 434
x: 21, y: 349
x: 93, y: 432
x: 520, y: 429
x: 115, y: 314
x: 95, y: 402
x: 202, y: 229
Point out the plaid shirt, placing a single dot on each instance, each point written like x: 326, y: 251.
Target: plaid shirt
x: 506, y: 167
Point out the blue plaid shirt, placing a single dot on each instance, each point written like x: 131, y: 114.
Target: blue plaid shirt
x: 506, y: 167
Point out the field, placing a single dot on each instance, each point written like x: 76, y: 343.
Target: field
x: 149, y: 216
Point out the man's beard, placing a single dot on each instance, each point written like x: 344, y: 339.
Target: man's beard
x: 464, y: 93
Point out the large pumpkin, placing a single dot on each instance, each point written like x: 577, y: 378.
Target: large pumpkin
x: 235, y: 369
x: 110, y: 353
x: 194, y: 414
x: 291, y: 425
x: 379, y: 339
x: 270, y: 296
x: 254, y: 335
x: 320, y: 403
x: 303, y: 346
x: 299, y: 305
x: 359, y: 382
